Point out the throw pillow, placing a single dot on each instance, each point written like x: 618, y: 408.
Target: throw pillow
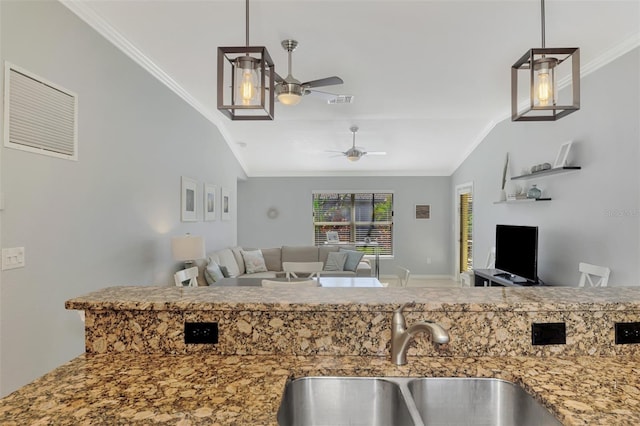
x: 225, y: 271
x: 213, y: 273
x: 335, y: 261
x: 353, y: 259
x: 253, y: 261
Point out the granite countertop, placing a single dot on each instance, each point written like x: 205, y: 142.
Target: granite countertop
x: 360, y: 299
x: 199, y: 389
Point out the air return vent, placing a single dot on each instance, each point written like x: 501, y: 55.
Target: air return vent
x: 40, y: 116
x: 341, y: 99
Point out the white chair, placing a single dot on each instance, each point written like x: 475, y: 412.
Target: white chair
x: 309, y: 269
x: 587, y: 271
x: 190, y: 275
x: 491, y: 259
x: 403, y: 276
x: 467, y: 277
x: 289, y: 284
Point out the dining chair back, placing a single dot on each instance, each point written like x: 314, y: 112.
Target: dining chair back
x: 190, y: 275
x: 403, y: 276
x: 302, y: 269
x: 588, y: 272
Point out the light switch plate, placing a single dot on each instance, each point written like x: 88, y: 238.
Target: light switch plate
x: 13, y: 258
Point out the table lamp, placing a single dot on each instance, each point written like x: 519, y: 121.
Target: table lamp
x: 187, y: 249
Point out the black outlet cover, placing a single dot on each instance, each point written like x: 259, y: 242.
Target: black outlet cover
x: 551, y: 333
x: 200, y: 332
x: 627, y: 332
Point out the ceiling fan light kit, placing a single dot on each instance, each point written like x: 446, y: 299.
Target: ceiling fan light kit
x: 289, y: 93
x: 290, y: 90
x: 355, y: 153
x: 540, y: 67
x: 246, y: 81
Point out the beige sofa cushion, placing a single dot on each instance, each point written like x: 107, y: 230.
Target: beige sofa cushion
x: 239, y: 260
x: 273, y: 258
x: 226, y: 258
x: 300, y: 254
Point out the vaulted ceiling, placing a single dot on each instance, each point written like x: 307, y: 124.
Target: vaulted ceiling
x: 429, y: 78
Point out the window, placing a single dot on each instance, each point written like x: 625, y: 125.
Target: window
x: 466, y: 232
x: 356, y: 217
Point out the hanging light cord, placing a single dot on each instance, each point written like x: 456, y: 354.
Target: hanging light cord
x: 542, y: 19
x: 247, y: 22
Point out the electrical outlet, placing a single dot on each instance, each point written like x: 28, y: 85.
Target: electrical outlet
x: 200, y: 332
x: 552, y: 333
x: 627, y: 332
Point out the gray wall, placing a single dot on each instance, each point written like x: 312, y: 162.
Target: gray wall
x: 594, y: 215
x: 108, y: 218
x: 414, y: 240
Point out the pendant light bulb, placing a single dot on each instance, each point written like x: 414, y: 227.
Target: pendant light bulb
x: 545, y: 89
x: 247, y: 87
x: 246, y: 81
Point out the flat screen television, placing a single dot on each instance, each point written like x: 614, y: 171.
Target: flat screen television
x: 517, y: 252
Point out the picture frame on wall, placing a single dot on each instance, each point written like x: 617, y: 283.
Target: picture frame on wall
x: 563, y: 153
x: 189, y: 189
x: 210, y: 202
x: 225, y: 205
x: 423, y: 211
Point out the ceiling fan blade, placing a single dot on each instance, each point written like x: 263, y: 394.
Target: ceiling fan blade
x: 376, y: 153
x: 329, y: 81
x: 325, y: 96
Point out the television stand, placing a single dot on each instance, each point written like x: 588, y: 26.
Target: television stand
x: 498, y: 278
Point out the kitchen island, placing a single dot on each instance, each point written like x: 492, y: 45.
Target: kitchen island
x: 268, y: 336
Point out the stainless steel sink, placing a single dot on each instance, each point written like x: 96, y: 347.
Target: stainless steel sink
x: 353, y: 401
x: 475, y: 401
x: 399, y: 401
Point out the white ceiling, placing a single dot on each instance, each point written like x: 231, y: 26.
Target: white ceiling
x: 430, y: 78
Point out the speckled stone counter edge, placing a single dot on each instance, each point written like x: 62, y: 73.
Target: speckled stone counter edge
x: 365, y: 331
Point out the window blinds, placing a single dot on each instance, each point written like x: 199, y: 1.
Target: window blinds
x: 357, y: 217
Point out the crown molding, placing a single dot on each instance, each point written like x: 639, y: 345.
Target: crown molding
x: 611, y: 55
x: 98, y: 23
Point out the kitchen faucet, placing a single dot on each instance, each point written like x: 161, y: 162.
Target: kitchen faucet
x: 401, y: 335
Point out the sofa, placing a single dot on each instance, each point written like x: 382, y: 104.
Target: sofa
x: 238, y: 262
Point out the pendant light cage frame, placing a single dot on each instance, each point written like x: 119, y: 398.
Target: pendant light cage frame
x: 527, y: 66
x: 229, y: 58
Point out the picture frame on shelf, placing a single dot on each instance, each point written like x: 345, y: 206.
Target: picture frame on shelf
x: 563, y: 153
x: 225, y: 206
x: 209, y: 202
x: 188, y: 203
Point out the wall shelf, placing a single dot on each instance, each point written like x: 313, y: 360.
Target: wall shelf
x: 547, y: 172
x: 522, y: 200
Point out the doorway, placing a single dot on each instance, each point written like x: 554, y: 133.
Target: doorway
x: 464, y: 228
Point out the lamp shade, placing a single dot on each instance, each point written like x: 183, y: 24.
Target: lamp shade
x: 187, y: 248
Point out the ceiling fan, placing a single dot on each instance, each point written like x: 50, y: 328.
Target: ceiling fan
x: 289, y: 90
x: 355, y: 153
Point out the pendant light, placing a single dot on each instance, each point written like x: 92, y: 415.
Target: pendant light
x: 246, y: 80
x: 541, y: 67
